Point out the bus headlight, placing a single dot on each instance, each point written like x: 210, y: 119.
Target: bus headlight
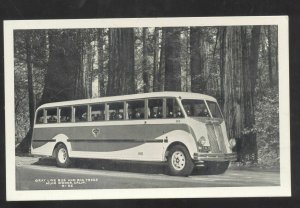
x: 201, y: 141
x: 232, y: 143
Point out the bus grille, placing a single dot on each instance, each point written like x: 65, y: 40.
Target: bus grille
x: 216, y: 138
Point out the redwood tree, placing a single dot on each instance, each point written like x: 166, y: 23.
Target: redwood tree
x: 121, y: 62
x: 250, y: 68
x: 198, y: 82
x: 145, y: 65
x: 172, y: 59
x: 64, y: 62
x: 101, y: 42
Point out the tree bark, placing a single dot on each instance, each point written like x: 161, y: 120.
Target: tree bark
x: 222, y: 64
x: 31, y: 97
x: 90, y: 62
x: 121, y: 62
x: 276, y: 55
x: 64, y: 61
x: 145, y: 65
x: 270, y: 57
x: 161, y: 72
x: 231, y: 66
x: 250, y: 68
x: 198, y: 83
x: 101, y: 86
x: 172, y: 60
x: 155, y: 59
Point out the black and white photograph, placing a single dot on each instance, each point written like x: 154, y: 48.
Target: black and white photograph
x: 147, y: 108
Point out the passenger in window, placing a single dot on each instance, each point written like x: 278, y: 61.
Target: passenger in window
x: 170, y: 114
x: 203, y: 113
x: 63, y: 119
x: 137, y: 115
x: 52, y: 119
x: 187, y: 110
x: 159, y: 114
x: 179, y: 114
x: 119, y: 116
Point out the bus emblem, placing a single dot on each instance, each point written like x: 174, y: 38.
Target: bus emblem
x: 95, y: 132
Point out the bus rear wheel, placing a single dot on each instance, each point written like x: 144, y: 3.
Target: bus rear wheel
x: 179, y: 161
x: 62, y: 156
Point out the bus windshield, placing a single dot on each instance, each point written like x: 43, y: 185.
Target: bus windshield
x: 214, y: 109
x: 197, y: 108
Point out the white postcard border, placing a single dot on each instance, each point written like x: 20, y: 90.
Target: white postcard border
x: 284, y: 112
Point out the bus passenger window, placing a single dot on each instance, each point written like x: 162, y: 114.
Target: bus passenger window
x: 173, y: 109
x: 40, y: 117
x: 136, y: 109
x: 98, y: 112
x: 65, y: 114
x: 81, y: 113
x: 52, y: 115
x: 195, y: 108
x: 116, y: 111
x: 155, y: 108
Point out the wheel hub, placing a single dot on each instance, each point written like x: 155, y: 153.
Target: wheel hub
x: 178, y: 160
x: 62, y: 155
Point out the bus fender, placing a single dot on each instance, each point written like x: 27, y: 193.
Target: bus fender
x: 181, y: 137
x: 62, y: 138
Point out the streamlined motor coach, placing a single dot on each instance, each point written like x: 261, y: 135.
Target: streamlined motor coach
x: 184, y: 130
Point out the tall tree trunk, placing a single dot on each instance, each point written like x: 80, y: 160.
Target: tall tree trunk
x: 231, y: 65
x: 80, y: 86
x: 187, y: 62
x: 31, y: 97
x: 155, y: 59
x: 172, y: 59
x: 64, y: 61
x: 145, y: 65
x: 222, y: 64
x: 270, y: 57
x: 121, y: 62
x: 250, y: 68
x: 101, y: 86
x: 89, y: 67
x: 162, y: 65
x: 276, y: 55
x: 198, y: 83
x: 24, y: 146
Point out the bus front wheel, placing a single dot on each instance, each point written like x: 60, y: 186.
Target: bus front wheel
x: 62, y: 156
x: 179, y: 161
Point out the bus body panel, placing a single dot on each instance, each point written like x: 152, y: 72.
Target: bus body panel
x: 138, y: 140
x: 45, y: 145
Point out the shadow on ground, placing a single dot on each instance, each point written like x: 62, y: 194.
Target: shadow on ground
x: 123, y: 166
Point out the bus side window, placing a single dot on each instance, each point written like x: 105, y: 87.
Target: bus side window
x: 52, y: 115
x: 173, y: 109
x: 155, y: 108
x: 65, y: 114
x: 81, y: 113
x: 116, y: 111
x: 40, y: 117
x: 98, y: 112
x: 136, y: 109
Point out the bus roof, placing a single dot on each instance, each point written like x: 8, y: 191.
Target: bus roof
x: 182, y: 95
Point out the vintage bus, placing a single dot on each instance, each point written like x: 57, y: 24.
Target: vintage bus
x: 184, y: 130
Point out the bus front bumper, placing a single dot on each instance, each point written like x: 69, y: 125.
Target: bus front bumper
x: 199, y: 157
